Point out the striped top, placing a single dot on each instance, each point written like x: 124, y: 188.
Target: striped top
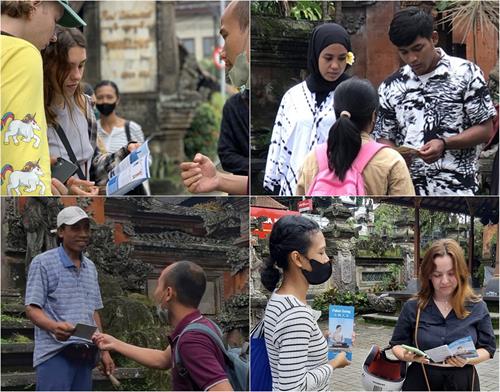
x: 64, y: 293
x: 118, y: 138
x: 295, y: 345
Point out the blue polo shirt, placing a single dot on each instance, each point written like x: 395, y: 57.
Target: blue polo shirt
x: 64, y: 293
x: 434, y: 330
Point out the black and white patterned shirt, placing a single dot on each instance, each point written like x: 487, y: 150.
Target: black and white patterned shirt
x: 416, y: 109
x: 299, y: 126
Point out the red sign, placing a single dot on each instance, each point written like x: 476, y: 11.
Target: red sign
x: 305, y: 205
x: 219, y: 63
x: 272, y: 216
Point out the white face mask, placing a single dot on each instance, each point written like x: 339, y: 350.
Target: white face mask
x: 240, y: 73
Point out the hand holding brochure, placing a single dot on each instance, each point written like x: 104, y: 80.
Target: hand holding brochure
x: 463, y: 347
x: 341, y: 327
x: 131, y: 172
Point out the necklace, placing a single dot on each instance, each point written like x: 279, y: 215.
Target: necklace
x: 443, y: 304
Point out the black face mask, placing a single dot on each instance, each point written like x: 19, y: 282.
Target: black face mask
x: 320, y: 273
x: 106, y: 108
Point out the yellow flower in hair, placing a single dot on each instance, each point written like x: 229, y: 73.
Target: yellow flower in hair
x: 350, y: 58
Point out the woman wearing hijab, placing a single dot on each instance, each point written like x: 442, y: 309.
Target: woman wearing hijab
x: 306, y: 112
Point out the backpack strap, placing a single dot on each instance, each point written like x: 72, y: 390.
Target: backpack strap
x: 366, y: 153
x: 322, y: 157
x: 127, y: 131
x: 198, y: 327
x: 69, y: 150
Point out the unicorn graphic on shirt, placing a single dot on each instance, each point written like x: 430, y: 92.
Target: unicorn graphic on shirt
x: 21, y: 128
x: 29, y: 178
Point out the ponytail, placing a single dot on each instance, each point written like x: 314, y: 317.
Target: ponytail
x: 344, y: 143
x: 270, y: 275
x: 355, y: 101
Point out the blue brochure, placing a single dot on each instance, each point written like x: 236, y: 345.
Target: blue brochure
x: 340, y: 330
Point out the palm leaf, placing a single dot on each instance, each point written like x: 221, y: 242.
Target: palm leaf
x: 470, y: 14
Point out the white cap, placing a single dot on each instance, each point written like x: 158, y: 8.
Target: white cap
x: 70, y: 215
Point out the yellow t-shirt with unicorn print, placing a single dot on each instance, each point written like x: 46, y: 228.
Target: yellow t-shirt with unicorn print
x: 25, y: 159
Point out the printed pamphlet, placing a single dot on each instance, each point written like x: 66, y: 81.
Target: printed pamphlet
x: 131, y: 172
x: 460, y: 348
x: 341, y: 328
x: 463, y: 347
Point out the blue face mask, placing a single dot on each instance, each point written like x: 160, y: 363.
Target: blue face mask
x: 96, y: 113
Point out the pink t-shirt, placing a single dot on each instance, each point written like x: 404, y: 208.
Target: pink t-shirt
x: 201, y: 357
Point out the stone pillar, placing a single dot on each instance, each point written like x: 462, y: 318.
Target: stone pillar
x: 340, y: 246
x: 258, y: 251
x: 93, y: 35
x: 175, y: 106
x: 404, y: 239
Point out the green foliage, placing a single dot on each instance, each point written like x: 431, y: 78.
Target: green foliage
x: 267, y: 8
x: 337, y: 297
x: 301, y: 9
x: 16, y: 338
x: 310, y: 10
x: 11, y: 320
x: 432, y: 220
x: 384, y: 216
x: 203, y: 134
x: 375, y: 245
x: 133, y: 319
x: 391, y: 281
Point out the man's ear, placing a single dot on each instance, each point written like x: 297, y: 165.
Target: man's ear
x: 435, y: 37
x: 35, y: 5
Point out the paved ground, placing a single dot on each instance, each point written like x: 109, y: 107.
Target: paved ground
x: 349, y: 378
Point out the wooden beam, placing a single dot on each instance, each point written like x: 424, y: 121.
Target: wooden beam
x: 416, y: 237
x: 472, y: 211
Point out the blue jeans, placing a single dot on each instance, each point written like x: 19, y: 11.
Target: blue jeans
x: 61, y: 374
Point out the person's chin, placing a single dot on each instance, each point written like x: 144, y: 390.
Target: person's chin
x: 69, y: 91
x: 332, y: 77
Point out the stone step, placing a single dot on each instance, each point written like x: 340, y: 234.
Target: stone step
x: 17, y: 356
x: 380, y: 318
x: 23, y: 379
x: 9, y: 296
x: 389, y: 319
x: 21, y: 327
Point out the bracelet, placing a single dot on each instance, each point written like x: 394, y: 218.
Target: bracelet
x: 445, y: 144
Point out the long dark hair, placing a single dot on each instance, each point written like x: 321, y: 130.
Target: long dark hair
x: 360, y: 99
x: 290, y: 233
x: 55, y: 60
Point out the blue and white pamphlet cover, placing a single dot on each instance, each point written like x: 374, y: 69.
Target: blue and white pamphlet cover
x: 340, y: 330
